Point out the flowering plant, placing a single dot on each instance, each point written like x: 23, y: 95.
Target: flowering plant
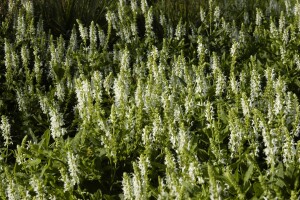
x: 142, y: 108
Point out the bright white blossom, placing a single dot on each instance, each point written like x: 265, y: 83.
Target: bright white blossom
x: 234, y: 48
x: 73, y: 168
x: 5, y: 130
x: 144, y: 6
x: 209, y: 114
x: 259, y: 17
x: 56, y: 123
x: 12, y: 192
x: 220, y: 83
x: 255, y: 86
x: 217, y: 14
x: 180, y: 30
x: 127, y: 187
x: 38, y: 187
x: 83, y: 32
x: 281, y: 22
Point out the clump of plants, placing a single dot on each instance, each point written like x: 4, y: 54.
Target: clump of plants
x: 147, y: 106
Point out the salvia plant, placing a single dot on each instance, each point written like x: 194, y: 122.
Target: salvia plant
x: 150, y: 105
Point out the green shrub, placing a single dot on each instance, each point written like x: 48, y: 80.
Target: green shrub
x: 150, y: 107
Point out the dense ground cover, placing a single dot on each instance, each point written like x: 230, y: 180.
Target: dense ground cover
x: 135, y: 101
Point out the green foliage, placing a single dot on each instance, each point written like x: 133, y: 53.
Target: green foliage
x: 61, y: 15
x: 148, y: 103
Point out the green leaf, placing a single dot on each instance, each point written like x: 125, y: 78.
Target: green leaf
x: 280, y: 172
x: 248, y: 173
x: 59, y: 72
x: 21, y: 175
x: 280, y: 183
x: 45, y: 139
x: 34, y: 162
x: 257, y: 189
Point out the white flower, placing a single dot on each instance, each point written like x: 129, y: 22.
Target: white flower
x: 37, y: 186
x: 255, y: 85
x: 209, y: 114
x: 172, y: 135
x: 233, y: 83
x: 148, y: 24
x: 84, y: 96
x: 192, y: 171
x: 259, y: 17
x: 134, y: 6
x: 37, y: 65
x: 96, y: 84
x: 283, y: 54
x: 213, y: 188
x: 73, y: 40
x: 234, y: 48
x: 12, y: 192
x: 146, y: 136
x: 83, y: 32
x: 21, y: 100
x: 225, y: 25
x: 216, y: 13
x: 289, y: 150
x: 126, y: 186
x: 134, y: 29
x: 202, y: 14
x: 52, y: 197
x: 68, y: 185
x: 143, y: 165
x: 278, y: 105
x: 139, y: 95
x: 285, y: 36
x: 93, y: 35
x: 122, y: 82
x: 200, y: 47
x: 157, y: 128
x: 183, y: 140
x: 7, y: 50
x: 270, y: 141
x: 245, y: 105
x: 28, y: 5
x: 297, y: 9
x: 137, y: 186
x: 220, y: 83
x: 281, y: 22
x: 287, y: 6
x: 280, y: 88
x: 162, y: 190
x: 43, y: 101
x: 21, y: 28
x: 144, y: 6
x: 24, y: 55
x: 236, y: 133
x: 162, y: 20
x: 273, y: 29
x: 56, y: 123
x: 178, y: 113
x: 5, y: 129
x: 73, y: 169
x: 101, y: 36
x: 11, y: 5
x: 60, y: 91
x: 111, y: 19
x: 246, y: 17
x: 297, y: 61
x: 189, y: 104
x: 269, y: 74
x: 214, y: 62
x: 180, y: 30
